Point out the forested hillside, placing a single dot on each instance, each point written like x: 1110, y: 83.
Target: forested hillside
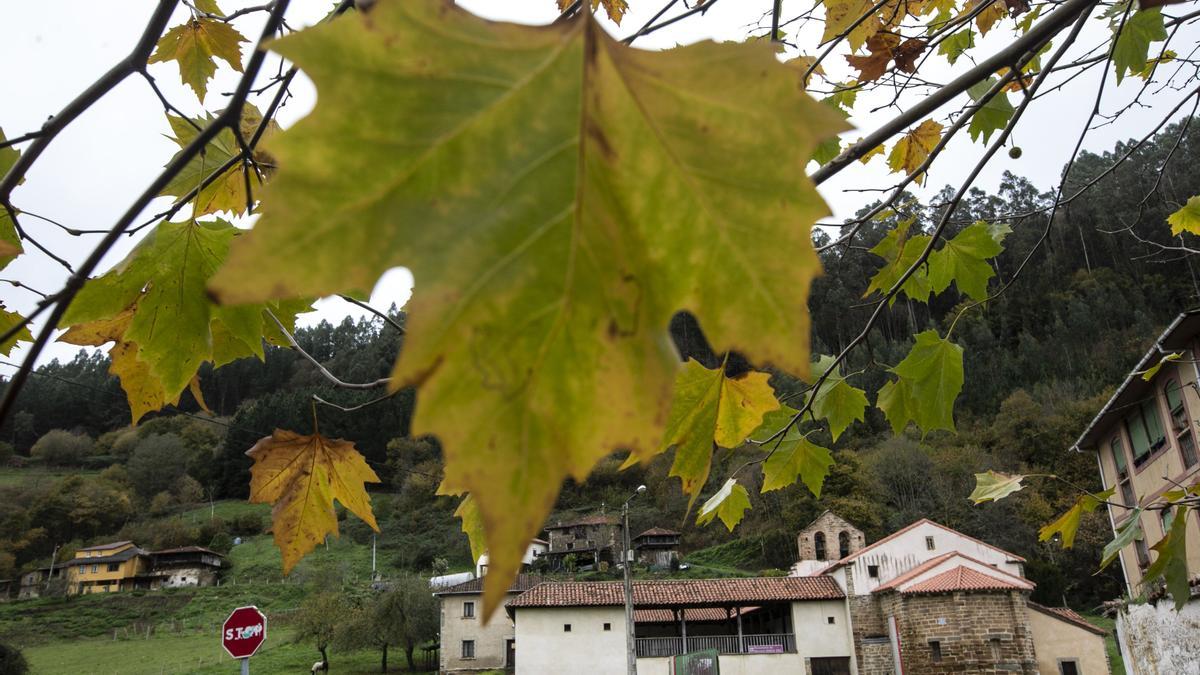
x: 1041, y: 358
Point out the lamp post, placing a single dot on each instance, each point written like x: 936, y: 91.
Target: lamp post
x: 630, y: 648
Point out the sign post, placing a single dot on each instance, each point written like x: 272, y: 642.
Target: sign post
x: 243, y: 633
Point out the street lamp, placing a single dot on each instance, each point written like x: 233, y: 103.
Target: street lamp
x: 626, y: 563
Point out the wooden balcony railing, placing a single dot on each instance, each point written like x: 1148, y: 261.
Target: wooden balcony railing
x: 777, y: 643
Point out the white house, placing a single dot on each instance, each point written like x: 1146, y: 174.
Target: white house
x: 468, y: 643
x: 537, y: 549
x: 759, y: 625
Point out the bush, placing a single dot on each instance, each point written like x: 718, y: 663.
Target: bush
x: 246, y: 524
x: 61, y: 448
x: 12, y: 661
x: 161, y: 503
x: 157, y: 463
x: 6, y: 452
x: 188, y: 491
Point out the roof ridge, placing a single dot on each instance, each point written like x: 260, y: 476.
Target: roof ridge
x: 911, y: 526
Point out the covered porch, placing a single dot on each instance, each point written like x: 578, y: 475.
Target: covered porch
x: 765, y: 628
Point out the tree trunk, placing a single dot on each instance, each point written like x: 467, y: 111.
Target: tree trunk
x: 409, y: 648
x: 383, y: 663
x: 324, y: 657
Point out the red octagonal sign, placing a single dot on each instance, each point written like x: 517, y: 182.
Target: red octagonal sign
x: 243, y: 632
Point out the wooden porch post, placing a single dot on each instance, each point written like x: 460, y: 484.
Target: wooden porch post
x: 741, y: 640
x: 683, y: 628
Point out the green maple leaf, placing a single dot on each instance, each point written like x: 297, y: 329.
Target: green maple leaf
x: 964, y: 260
x: 991, y: 116
x: 7, y: 321
x: 1068, y: 523
x: 708, y: 407
x: 899, y: 251
x: 154, y: 306
x: 930, y: 379
x: 956, y: 44
x: 1130, y: 531
x: 837, y: 402
x: 472, y: 526
x: 1186, y: 219
x: 558, y: 197
x: 1171, y: 562
x: 1131, y: 48
x: 791, y: 456
x: 729, y: 504
x: 1150, y: 372
x: 994, y: 486
x: 195, y: 46
x: 10, y: 242
x: 228, y: 191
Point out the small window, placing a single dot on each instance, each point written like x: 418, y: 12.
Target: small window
x: 1143, y: 553
x: 873, y: 571
x: 830, y: 620
x: 566, y: 628
x: 468, y: 649
x: 607, y: 626
x: 95, y: 569
x: 468, y: 610
x: 113, y: 567
x: 994, y: 643
x: 929, y: 543
x: 935, y: 651
x: 819, y: 545
x: 1068, y: 667
x: 843, y: 544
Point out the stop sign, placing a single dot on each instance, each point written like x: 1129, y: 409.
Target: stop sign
x: 243, y: 632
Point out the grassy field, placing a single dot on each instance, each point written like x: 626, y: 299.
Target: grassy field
x: 32, y: 476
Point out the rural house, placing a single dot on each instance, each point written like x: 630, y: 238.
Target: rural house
x: 1144, y: 440
x: 759, y: 625
x: 657, y: 548
x: 591, y: 541
x: 122, y: 566
x: 929, y: 599
x: 468, y: 645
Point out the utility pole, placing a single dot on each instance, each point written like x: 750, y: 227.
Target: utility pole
x: 53, y: 557
x: 626, y: 563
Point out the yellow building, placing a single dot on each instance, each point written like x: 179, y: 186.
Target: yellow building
x: 106, y: 568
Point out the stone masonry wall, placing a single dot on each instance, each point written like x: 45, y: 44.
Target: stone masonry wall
x: 977, y: 632
x: 831, y: 526
x: 875, y: 657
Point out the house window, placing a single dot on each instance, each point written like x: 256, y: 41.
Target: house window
x: 1070, y: 667
x: 994, y: 643
x: 468, y: 610
x: 1143, y: 553
x: 566, y: 628
x: 1180, y: 424
x: 468, y: 649
x: 929, y: 543
x: 819, y: 545
x: 830, y: 620
x: 113, y: 567
x: 95, y: 569
x: 1118, y: 453
x: 607, y: 626
x: 843, y: 544
x: 873, y: 571
x: 1145, y: 431
x: 935, y: 651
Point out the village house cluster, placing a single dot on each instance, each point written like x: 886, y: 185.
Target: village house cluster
x: 926, y: 599
x: 123, y: 566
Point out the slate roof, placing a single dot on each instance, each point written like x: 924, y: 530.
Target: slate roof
x: 680, y: 592
x: 98, y: 547
x: 1070, y: 616
x: 120, y: 556
x: 522, y: 583
x: 186, y: 549
x: 590, y: 520
x: 964, y: 578
x: 658, y: 532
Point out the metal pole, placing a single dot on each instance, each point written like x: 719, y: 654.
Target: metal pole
x: 630, y: 650
x: 245, y: 666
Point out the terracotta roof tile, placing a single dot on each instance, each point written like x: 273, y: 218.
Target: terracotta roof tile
x: 964, y: 578
x: 1070, y: 616
x: 680, y: 592
x: 522, y: 583
x: 658, y: 532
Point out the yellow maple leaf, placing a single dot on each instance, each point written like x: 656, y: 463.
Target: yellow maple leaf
x: 987, y: 18
x: 911, y: 151
x: 615, y: 8
x: 195, y: 46
x: 877, y: 150
x: 301, y: 476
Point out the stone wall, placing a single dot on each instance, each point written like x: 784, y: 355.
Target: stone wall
x: 974, y: 632
x: 875, y: 657
x: 1157, y: 640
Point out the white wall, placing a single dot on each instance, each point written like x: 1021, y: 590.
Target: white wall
x: 899, y: 555
x: 1156, y: 640
x: 732, y: 664
x: 544, y: 648
x: 491, y: 640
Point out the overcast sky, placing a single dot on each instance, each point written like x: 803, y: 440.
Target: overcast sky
x: 94, y: 170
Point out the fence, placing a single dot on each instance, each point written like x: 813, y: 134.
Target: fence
x: 775, y: 643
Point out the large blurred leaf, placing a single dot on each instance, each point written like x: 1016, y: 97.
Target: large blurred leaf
x: 1171, y: 564
x: 558, y: 197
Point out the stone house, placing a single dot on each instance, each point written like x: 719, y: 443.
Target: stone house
x: 185, y: 566
x: 657, y: 547
x: 34, y: 582
x: 592, y: 540
x: 827, y: 538
x: 1144, y: 440
x: 758, y: 625
x: 929, y: 599
x: 467, y: 644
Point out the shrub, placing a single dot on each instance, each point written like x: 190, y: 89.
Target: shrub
x: 246, y: 524
x: 157, y: 463
x: 12, y: 661
x: 187, y: 490
x: 61, y: 448
x: 161, y: 503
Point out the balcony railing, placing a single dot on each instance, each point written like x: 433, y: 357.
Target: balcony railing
x: 777, y: 643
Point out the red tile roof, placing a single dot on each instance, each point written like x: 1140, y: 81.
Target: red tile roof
x: 680, y: 592
x: 964, y: 578
x: 1070, y: 616
x: 848, y: 559
x: 934, y: 562
x: 522, y: 583
x: 658, y: 532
